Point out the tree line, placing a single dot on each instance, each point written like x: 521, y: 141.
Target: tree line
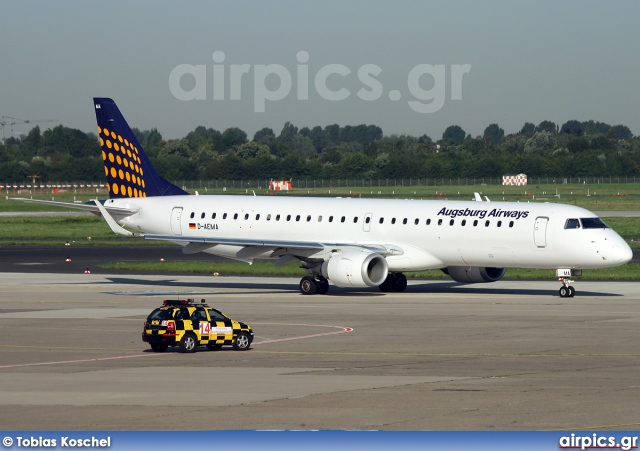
x: 572, y: 149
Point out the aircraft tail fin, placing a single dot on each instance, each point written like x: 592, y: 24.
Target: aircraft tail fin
x: 128, y: 170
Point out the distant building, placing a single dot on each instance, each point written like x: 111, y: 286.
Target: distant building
x: 280, y: 185
x: 514, y: 180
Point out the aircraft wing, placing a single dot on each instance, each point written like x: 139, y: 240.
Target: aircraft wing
x: 282, y: 247
x: 86, y: 207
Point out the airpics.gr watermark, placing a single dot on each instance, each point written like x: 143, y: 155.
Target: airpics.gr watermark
x: 227, y: 82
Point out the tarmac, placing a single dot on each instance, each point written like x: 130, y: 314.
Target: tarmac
x: 510, y: 355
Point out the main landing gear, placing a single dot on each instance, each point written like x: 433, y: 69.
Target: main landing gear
x: 314, y: 285
x: 394, y: 283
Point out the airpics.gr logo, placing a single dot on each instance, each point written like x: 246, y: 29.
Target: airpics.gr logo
x: 495, y: 213
x: 228, y: 82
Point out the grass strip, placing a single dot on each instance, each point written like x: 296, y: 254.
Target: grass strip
x: 630, y: 271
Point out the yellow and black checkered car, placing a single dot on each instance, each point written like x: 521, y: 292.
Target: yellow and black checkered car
x: 188, y: 324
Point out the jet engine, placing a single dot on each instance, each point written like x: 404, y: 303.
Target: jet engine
x: 356, y: 269
x: 474, y: 274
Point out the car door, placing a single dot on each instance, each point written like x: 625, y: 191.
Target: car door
x: 221, y: 326
x: 201, y: 325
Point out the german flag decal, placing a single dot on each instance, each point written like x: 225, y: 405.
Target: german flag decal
x: 192, y: 225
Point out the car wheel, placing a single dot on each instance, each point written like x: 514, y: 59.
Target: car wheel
x: 214, y: 347
x: 242, y: 342
x: 159, y: 347
x: 188, y: 343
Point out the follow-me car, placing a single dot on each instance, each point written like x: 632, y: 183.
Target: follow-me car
x: 188, y: 324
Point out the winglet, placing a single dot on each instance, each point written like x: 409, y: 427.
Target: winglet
x: 115, y: 227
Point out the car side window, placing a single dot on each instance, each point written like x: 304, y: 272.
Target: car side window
x: 215, y: 316
x: 199, y: 315
x: 182, y: 314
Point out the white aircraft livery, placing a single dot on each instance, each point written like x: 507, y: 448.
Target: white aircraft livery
x: 348, y: 242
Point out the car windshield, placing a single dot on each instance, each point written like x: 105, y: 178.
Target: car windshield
x: 159, y: 314
x: 593, y: 223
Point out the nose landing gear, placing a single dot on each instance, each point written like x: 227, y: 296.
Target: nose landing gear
x: 566, y: 290
x: 564, y: 276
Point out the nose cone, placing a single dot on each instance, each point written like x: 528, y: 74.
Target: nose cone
x: 622, y: 253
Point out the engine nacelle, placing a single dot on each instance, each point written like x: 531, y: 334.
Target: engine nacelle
x: 356, y: 269
x: 474, y: 274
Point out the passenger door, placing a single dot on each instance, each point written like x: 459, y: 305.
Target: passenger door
x: 540, y: 231
x: 176, y: 216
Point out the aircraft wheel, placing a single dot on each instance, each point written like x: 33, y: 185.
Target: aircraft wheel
x: 385, y: 286
x: 323, y: 286
x: 572, y: 292
x: 564, y: 292
x: 400, y: 282
x: 308, y: 285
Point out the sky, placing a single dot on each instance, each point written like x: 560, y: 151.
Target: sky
x: 410, y: 67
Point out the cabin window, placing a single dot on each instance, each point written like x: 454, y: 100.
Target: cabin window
x: 297, y: 218
x: 193, y: 215
x: 572, y: 224
x: 355, y: 219
x: 428, y: 221
x: 343, y: 219
x: 213, y: 216
x: 510, y: 223
x: 257, y: 216
x: 308, y: 218
x: 367, y: 220
x: 202, y: 215
x: 235, y: 216
x: 393, y: 220
x: 439, y: 221
x: 381, y: 220
x: 486, y: 223
x: 319, y: 218
x: 246, y: 216
x: 464, y: 222
x: 269, y: 217
x: 499, y: 223
x: 417, y: 221
x: 451, y: 222
x: 330, y: 218
x: 224, y: 216
x: 288, y: 217
x: 277, y: 217
x: 475, y: 222
x: 404, y: 221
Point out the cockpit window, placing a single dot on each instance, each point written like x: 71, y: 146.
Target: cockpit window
x: 593, y: 223
x: 572, y: 224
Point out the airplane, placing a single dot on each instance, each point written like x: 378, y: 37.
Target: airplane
x: 348, y: 242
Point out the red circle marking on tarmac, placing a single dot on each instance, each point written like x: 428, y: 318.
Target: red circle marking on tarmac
x: 342, y: 330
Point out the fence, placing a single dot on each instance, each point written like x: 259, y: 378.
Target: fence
x: 202, y: 185
x: 251, y: 184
